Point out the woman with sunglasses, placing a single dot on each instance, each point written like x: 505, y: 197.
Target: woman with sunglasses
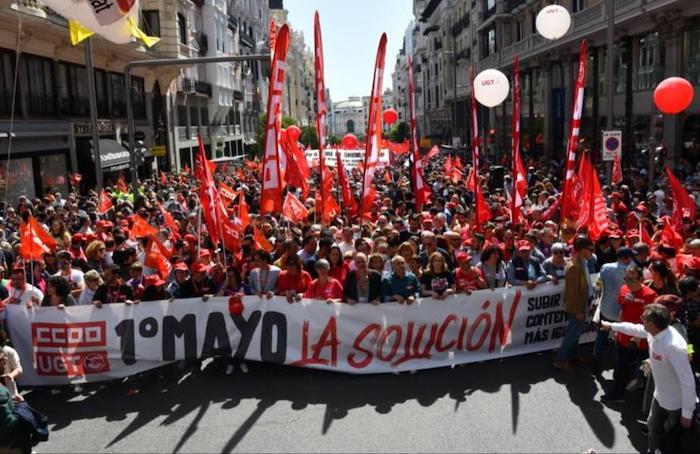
x: 555, y: 265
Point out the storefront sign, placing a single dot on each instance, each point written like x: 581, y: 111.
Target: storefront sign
x: 612, y: 145
x: 82, y: 343
x: 158, y: 151
x: 104, y: 128
x: 426, y: 143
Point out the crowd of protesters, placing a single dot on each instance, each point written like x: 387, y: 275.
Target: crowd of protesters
x: 398, y: 254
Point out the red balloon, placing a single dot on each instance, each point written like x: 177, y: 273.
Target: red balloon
x: 349, y: 141
x: 390, y: 116
x: 673, y: 95
x: 293, y: 132
x: 283, y: 135
x: 235, y: 305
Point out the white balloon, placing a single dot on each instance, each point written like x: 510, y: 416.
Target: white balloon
x: 491, y: 87
x: 553, y: 22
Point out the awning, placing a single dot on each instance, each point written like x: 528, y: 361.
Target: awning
x: 114, y: 156
x: 228, y: 158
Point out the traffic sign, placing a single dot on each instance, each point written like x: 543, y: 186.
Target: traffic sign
x: 612, y: 145
x: 158, y: 151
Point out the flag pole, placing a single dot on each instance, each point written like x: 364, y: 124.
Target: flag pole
x: 199, y: 228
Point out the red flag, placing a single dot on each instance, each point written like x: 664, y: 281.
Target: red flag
x: 228, y: 195
x: 35, y: 241
x: 186, y: 169
x: 293, y: 209
x: 240, y: 173
x: 447, y: 166
x: 121, y: 185
x: 169, y: 221
x: 455, y: 175
x: 263, y: 243
x: 243, y: 210
x: 519, y: 174
x: 549, y: 214
x: 567, y: 200
x: 231, y: 234
x: 644, y: 236
x: 593, y: 212
x: 457, y: 163
x: 271, y: 194
x: 387, y: 176
x: 328, y: 207
x: 157, y: 257
x: 670, y: 235
x: 105, y: 202
x: 212, y: 205
x: 374, y: 130
x: 321, y: 114
x: 434, y: 151
x: 345, y: 190
x: 617, y: 170
x: 141, y: 228
x: 163, y: 179
x: 297, y: 173
x: 471, y: 180
x: 480, y: 209
x: 683, y: 204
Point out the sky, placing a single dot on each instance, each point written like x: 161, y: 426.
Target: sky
x: 351, y: 30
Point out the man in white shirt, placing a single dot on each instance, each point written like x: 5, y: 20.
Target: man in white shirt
x: 73, y: 276
x: 348, y: 243
x: 21, y: 292
x: 674, y: 394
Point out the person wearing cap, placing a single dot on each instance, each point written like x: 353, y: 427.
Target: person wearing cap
x: 523, y: 269
x: 92, y: 281
x: 179, y: 278
x: 73, y: 276
x: 262, y: 280
x: 199, y: 284
x: 153, y: 288
x: 468, y: 278
x: 631, y: 351
x: 113, y: 290
x: 611, y: 278
x: 400, y: 285
x: 578, y: 290
x: 675, y: 396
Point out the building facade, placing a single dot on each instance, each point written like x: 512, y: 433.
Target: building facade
x: 47, y: 134
x: 350, y: 117
x: 654, y: 39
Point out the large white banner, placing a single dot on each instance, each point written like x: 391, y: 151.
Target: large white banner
x: 84, y: 343
x: 351, y: 158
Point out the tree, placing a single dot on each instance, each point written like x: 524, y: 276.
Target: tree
x: 334, y: 140
x: 260, y: 136
x: 399, y: 132
x: 309, y: 136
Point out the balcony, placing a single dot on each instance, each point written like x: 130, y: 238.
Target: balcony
x: 461, y: 24
x: 246, y: 41
x: 232, y: 23
x: 196, y: 86
x: 183, y: 133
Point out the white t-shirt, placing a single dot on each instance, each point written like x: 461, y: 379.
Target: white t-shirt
x: 18, y: 296
x: 75, y: 279
x: 11, y: 364
x: 86, y: 296
x: 346, y: 246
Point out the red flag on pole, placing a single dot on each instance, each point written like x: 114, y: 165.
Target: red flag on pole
x: 243, y: 210
x: 157, y: 257
x: 670, y: 235
x: 140, y: 228
x: 519, y: 174
x: 374, y: 130
x: 263, y: 242
x: 212, y: 205
x: 121, y: 185
x: 345, y: 190
x: 35, y: 241
x: 617, y: 170
x: 169, y: 221
x: 271, y: 194
x: 434, y: 151
x: 293, y: 209
x: 683, y: 204
x: 567, y: 200
x: 105, y: 202
x: 227, y: 193
x: 321, y: 114
x: 593, y: 213
x: 481, y: 211
x: 421, y: 190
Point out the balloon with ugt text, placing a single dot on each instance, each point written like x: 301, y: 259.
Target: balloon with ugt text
x: 673, y: 95
x: 553, y: 22
x: 293, y: 132
x: 491, y: 87
x: 349, y: 141
x: 390, y: 116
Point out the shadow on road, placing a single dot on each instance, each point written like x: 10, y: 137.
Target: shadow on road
x: 340, y: 393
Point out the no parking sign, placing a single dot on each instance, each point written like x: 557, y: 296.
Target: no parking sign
x: 612, y: 145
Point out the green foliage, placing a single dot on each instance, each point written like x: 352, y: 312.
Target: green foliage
x: 288, y: 121
x: 399, y: 132
x: 260, y: 134
x: 309, y: 136
x: 334, y: 140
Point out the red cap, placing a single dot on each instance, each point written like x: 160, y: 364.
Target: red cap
x: 153, y: 280
x: 204, y: 253
x: 190, y: 238
x: 78, y: 237
x: 427, y: 217
x: 693, y: 263
x: 615, y: 194
x: 199, y: 267
x: 523, y: 245
x: 180, y: 266
x: 615, y: 234
x: 463, y: 257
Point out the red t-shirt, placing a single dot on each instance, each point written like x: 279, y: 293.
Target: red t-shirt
x: 339, y: 272
x: 298, y: 282
x: 468, y: 280
x: 331, y: 290
x: 633, y: 304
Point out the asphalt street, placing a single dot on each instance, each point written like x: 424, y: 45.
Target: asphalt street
x: 519, y: 404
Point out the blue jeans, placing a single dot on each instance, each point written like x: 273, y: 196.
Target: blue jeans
x: 601, y: 341
x: 570, y: 342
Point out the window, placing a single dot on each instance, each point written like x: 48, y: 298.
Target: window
x: 19, y: 179
x: 182, y: 28
x: 194, y: 116
x: 7, y: 76
x: 78, y: 91
x: 102, y: 90
x: 577, y: 5
x: 150, y: 22
x: 38, y: 78
x: 205, y: 116
x: 519, y: 33
x: 350, y: 126
x: 649, y: 62
x: 691, y: 59
x: 117, y: 95
x: 488, y: 42
x: 182, y: 115
x: 53, y: 171
x: 138, y: 96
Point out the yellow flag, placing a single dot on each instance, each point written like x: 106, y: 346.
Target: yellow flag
x: 77, y: 32
x: 139, y: 34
